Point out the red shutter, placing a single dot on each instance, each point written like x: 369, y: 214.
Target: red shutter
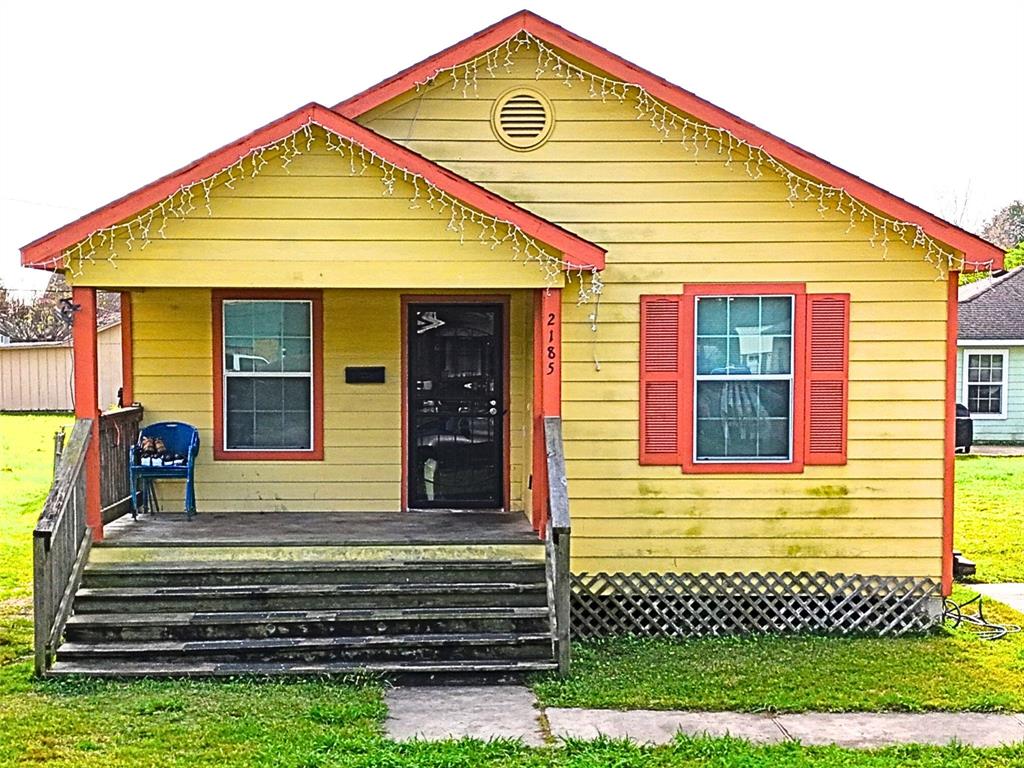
x: 660, y: 365
x: 827, y: 375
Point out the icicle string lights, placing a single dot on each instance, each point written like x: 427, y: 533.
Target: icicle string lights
x: 463, y: 221
x: 697, y: 137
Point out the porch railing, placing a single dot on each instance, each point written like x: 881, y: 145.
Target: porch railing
x: 558, y: 538
x: 119, y: 429
x: 60, y: 546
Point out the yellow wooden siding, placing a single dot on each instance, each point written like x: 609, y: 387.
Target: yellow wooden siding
x: 667, y: 219
x: 317, y: 225
x: 362, y: 466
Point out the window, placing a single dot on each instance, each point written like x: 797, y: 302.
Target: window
x: 743, y: 391
x: 744, y: 378
x: 268, y: 398
x: 984, y: 383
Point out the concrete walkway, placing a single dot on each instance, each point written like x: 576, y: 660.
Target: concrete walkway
x: 490, y: 712
x: 1010, y: 594
x: 997, y: 450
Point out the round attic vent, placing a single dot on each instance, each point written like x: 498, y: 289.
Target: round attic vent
x: 522, y: 119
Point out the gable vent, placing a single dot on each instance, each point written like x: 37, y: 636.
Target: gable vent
x: 522, y: 119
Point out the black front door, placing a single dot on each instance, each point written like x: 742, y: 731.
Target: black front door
x: 456, y: 412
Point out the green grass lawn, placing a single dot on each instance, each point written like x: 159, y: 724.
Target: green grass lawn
x: 989, y: 519
x: 947, y: 670
x: 303, y: 724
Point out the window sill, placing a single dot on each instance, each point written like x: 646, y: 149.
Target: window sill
x: 746, y: 468
x: 219, y: 454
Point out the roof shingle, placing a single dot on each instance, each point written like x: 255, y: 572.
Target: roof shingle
x: 997, y: 311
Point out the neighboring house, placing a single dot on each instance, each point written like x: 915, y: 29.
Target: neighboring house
x: 37, y: 375
x: 990, y: 356
x: 756, y: 407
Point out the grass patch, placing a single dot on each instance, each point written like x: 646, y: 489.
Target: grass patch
x: 946, y: 670
x: 989, y: 522
x: 26, y: 468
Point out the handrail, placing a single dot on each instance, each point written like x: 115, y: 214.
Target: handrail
x: 119, y: 431
x: 558, y: 539
x: 60, y: 546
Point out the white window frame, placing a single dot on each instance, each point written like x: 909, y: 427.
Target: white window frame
x: 226, y: 374
x: 1004, y: 384
x: 790, y: 377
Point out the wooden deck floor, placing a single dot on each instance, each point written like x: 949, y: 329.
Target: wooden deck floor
x: 324, y: 529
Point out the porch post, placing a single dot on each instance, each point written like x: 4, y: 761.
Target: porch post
x: 127, y: 390
x: 83, y: 337
x: 547, y: 389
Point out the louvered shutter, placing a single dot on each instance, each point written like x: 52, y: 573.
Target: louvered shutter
x: 660, y: 366
x: 827, y: 377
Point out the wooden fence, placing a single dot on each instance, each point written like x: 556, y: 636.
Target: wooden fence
x: 37, y: 376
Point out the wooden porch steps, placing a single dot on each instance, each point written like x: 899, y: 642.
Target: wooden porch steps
x: 410, y: 621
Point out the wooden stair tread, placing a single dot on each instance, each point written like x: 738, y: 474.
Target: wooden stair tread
x: 99, y: 667
x: 243, y: 644
x: 304, y: 590
x: 277, y: 617
x: 248, y: 566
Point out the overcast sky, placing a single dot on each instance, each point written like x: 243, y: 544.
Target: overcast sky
x: 98, y: 98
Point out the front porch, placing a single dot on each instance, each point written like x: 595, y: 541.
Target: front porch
x: 428, y: 596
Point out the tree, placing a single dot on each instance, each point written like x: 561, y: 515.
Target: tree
x: 44, y: 318
x: 1006, y: 228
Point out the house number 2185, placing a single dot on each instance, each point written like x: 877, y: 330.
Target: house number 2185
x: 551, y: 352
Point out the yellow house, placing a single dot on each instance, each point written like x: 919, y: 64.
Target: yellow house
x: 521, y: 291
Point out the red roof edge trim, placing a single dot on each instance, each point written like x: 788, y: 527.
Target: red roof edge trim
x: 46, y: 252
x: 978, y: 253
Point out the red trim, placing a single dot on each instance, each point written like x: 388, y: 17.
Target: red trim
x: 87, y: 406
x: 45, y: 252
x: 127, y: 354
x: 505, y: 301
x: 978, y: 252
x: 690, y: 293
x: 949, y: 463
x: 813, y: 376
x: 547, y: 391
x: 219, y: 452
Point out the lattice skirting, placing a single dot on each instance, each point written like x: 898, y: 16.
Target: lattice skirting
x: 699, y: 604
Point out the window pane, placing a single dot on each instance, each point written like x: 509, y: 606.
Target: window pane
x: 711, y: 354
x: 777, y: 314
x: 268, y: 412
x: 268, y: 318
x: 238, y: 318
x: 296, y: 318
x: 711, y: 316
x: 295, y: 354
x: 742, y: 420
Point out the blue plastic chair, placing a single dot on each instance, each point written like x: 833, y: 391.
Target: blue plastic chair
x: 181, y: 439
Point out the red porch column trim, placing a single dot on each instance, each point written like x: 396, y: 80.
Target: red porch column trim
x: 127, y: 355
x: 83, y: 337
x: 949, y: 465
x: 547, y: 389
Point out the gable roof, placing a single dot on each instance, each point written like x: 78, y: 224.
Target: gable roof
x: 978, y: 253
x: 996, y: 311
x: 45, y: 252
